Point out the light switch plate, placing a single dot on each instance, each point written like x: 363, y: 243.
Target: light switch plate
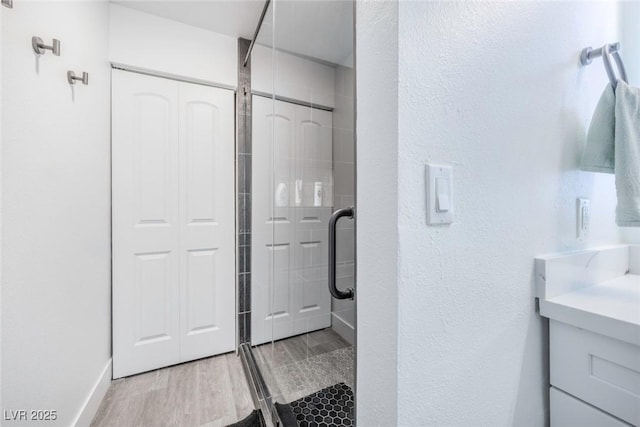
x: 439, y: 192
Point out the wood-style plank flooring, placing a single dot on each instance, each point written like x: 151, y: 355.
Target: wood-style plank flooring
x: 214, y: 392
x: 210, y: 392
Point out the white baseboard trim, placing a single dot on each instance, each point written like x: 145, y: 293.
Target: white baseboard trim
x: 92, y: 403
x: 343, y: 328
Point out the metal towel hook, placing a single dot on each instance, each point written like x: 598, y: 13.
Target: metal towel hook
x: 606, y: 51
x: 606, y: 58
x: 620, y: 65
x: 72, y: 78
x: 39, y: 47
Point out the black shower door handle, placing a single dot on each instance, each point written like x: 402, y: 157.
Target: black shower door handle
x: 333, y: 221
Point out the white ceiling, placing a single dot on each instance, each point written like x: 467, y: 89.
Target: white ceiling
x: 321, y: 29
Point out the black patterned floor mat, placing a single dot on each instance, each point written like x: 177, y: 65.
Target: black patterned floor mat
x: 331, y: 406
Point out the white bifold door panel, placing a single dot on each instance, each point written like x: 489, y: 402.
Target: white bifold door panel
x: 207, y: 221
x: 173, y: 222
x: 292, y: 152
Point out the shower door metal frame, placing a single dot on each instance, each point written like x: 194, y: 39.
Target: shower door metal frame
x: 260, y: 392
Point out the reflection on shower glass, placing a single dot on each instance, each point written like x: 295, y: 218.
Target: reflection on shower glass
x: 303, y: 169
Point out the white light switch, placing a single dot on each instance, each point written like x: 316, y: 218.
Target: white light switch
x: 442, y: 194
x: 439, y: 197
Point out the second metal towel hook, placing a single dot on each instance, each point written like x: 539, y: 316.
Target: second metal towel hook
x: 72, y: 78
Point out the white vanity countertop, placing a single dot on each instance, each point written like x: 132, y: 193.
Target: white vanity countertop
x: 611, y: 308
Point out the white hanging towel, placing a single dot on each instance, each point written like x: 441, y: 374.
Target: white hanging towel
x: 598, y: 155
x: 627, y: 154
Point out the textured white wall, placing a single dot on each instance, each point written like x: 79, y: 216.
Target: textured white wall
x: 1, y: 406
x: 629, y: 12
x: 148, y: 41
x: 495, y: 90
x: 377, y: 211
x: 55, y: 208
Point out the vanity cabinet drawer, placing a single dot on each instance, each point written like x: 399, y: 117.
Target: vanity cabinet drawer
x: 567, y: 411
x: 599, y: 370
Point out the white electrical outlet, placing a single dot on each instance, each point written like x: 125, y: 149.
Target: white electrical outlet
x: 584, y: 218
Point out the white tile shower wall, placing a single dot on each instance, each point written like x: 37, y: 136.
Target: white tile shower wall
x: 343, y: 311
x: 55, y: 209
x: 147, y: 41
x: 494, y: 89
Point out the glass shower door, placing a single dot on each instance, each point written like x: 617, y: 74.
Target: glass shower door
x: 303, y: 170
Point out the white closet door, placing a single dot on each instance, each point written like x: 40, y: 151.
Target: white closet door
x: 173, y: 222
x: 207, y: 221
x: 146, y: 226
x: 289, y: 253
